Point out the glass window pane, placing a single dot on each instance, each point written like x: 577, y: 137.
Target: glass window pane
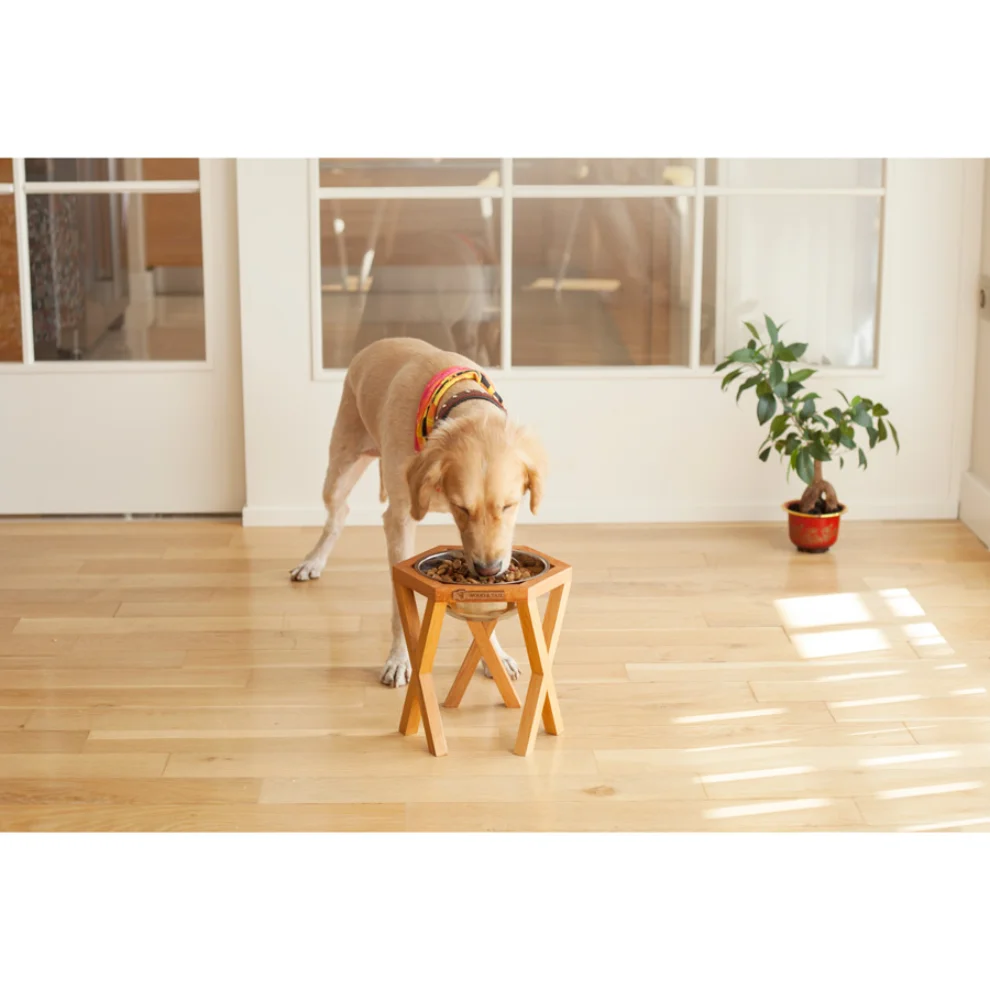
x: 104, y: 169
x: 160, y: 169
x: 10, y: 295
x: 601, y: 281
x: 410, y: 171
x: 603, y: 171
x: 795, y: 173
x: 811, y: 262
x: 411, y: 268
x: 117, y: 277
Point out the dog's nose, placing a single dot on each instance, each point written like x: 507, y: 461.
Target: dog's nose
x: 488, y: 570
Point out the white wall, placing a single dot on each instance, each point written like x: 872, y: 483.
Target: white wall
x: 669, y: 446
x: 974, y: 509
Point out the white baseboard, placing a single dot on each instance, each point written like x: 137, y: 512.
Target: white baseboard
x: 626, y: 512
x: 974, y: 506
x: 141, y: 286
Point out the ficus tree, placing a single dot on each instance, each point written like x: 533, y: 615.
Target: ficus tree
x: 801, y: 435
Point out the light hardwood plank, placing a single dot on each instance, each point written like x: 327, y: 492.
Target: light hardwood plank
x: 168, y: 676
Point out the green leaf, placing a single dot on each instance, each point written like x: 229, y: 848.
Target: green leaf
x: 797, y: 350
x: 881, y: 430
x: 835, y: 413
x: 819, y: 453
x: 847, y: 441
x: 772, y: 330
x: 880, y: 410
x: 751, y: 344
x: 856, y: 400
x: 722, y: 365
x: 793, y: 388
x: 874, y: 436
x: 765, y: 454
x: 783, y: 390
x: 842, y: 462
x: 778, y: 425
x: 785, y: 353
x: 730, y: 378
x: 845, y: 399
x: 792, y: 443
x: 752, y: 330
x: 742, y: 356
x: 861, y: 417
x: 805, y: 466
x: 749, y: 383
x: 776, y: 374
x: 801, y: 375
x: 862, y: 459
x: 765, y: 408
x: 893, y: 433
x: 808, y: 409
x: 763, y: 387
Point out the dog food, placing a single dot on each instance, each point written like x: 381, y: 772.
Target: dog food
x: 456, y: 571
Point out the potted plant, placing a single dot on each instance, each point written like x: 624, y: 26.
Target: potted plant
x: 799, y: 433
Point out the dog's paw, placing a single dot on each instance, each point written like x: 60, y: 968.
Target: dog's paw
x: 511, y: 667
x: 396, y: 671
x: 308, y: 570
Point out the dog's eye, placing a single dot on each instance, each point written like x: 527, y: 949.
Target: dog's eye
x: 509, y: 505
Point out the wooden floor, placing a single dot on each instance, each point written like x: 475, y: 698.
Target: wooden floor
x: 168, y: 676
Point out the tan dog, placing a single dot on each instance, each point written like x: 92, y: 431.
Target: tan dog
x: 476, y: 464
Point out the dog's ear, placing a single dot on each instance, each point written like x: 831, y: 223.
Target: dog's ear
x: 535, y: 465
x: 424, y: 475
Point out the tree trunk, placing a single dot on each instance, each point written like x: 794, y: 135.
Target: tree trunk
x: 818, y: 489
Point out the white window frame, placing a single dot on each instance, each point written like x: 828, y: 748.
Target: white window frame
x: 702, y: 196
x: 20, y: 189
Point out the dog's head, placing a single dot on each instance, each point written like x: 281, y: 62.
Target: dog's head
x: 480, y: 470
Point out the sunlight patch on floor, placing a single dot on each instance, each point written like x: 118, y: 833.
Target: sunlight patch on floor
x: 822, y: 610
x: 910, y: 792
x: 768, y: 808
x: 841, y: 642
x: 725, y: 778
x: 726, y: 716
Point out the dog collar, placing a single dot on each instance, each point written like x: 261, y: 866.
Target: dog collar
x: 439, y: 385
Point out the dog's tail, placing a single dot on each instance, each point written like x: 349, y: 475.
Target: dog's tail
x: 382, y: 494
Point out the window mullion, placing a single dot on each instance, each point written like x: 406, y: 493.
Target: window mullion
x: 698, y: 249
x: 23, y: 261
x: 506, y: 306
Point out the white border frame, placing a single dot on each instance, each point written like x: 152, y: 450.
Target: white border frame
x: 508, y: 192
x: 20, y: 189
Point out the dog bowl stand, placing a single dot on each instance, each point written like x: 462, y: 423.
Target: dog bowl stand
x: 423, y: 637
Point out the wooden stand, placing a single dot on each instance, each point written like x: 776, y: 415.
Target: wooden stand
x: 422, y: 638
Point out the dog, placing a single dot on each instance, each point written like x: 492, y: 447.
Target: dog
x: 444, y: 444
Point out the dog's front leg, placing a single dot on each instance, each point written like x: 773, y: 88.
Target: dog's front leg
x: 511, y: 667
x: 400, y: 531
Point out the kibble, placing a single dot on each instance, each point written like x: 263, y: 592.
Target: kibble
x: 454, y: 570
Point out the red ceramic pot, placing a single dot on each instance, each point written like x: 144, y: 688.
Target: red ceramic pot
x: 812, y: 534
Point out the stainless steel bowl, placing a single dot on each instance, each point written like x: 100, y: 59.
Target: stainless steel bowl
x: 482, y: 611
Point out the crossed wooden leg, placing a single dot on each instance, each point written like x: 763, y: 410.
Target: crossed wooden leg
x: 541, y: 645
x: 481, y: 647
x: 421, y: 695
